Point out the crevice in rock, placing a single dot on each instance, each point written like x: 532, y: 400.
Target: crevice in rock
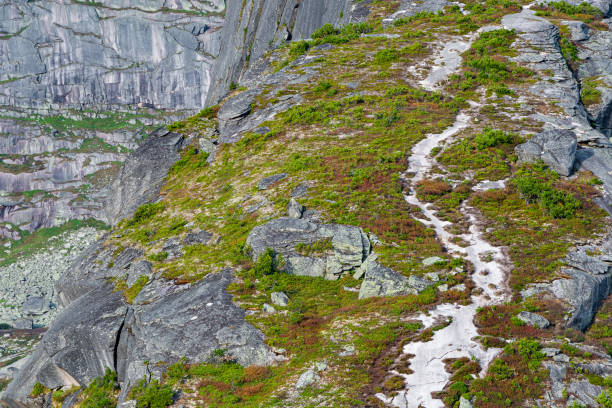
x: 116, y: 346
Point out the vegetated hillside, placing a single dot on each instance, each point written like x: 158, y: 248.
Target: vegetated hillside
x: 408, y: 210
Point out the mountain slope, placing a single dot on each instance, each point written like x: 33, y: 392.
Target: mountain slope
x: 395, y: 206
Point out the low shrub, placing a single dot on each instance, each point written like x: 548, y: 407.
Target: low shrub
x: 490, y: 138
x: 152, y: 394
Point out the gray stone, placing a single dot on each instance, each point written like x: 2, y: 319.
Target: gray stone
x: 269, y: 181
x: 280, y: 299
x: 561, y: 358
x: 370, y: 262
x: 34, y: 306
x: 534, y: 320
x: 557, y: 373
x: 320, y: 366
x: 306, y: 266
x: 197, y: 238
x: 585, y: 392
x: 443, y: 287
x: 24, y: 324
x: 418, y: 283
x: 307, y: 379
x: 173, y: 247
x: 300, y: 191
x: 295, y: 209
x: 599, y: 162
x: 432, y: 260
x: 464, y: 403
x: 556, y: 148
x: 433, y: 276
x: 584, y: 292
x: 550, y: 351
x: 350, y: 246
x: 268, y: 308
x: 590, y: 264
x: 381, y: 281
x: 207, y: 146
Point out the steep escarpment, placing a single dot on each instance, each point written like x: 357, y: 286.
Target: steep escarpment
x: 417, y: 194
x: 83, y: 83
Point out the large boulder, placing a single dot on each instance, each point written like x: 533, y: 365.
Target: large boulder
x: 584, y: 292
x: 556, y: 148
x: 341, y: 248
x: 168, y: 322
x: 142, y: 175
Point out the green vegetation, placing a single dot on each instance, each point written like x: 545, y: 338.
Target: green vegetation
x: 351, y: 144
x: 200, y: 122
x: 562, y: 10
x: 536, y: 196
x: 316, y: 248
x: 102, y: 392
x: 556, y: 203
x: 589, y: 93
x: 145, y: 212
x: 38, y: 389
x: 486, y: 64
x: 488, y: 154
x: 152, y: 394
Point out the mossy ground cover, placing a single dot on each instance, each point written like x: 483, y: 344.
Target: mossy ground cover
x: 351, y: 145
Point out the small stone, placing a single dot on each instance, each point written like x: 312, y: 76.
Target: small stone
x: 464, y: 403
x: 432, y: 260
x: 295, y: 209
x: 206, y: 145
x: 432, y: 276
x: 550, y: 351
x: 23, y: 324
x: 307, y: 379
x: 347, y: 350
x: 267, y: 182
x: 128, y: 404
x: 321, y: 366
x: 561, y: 358
x: 460, y: 287
x: 279, y: 299
x: 443, y: 288
x: 534, y: 320
x: 267, y: 308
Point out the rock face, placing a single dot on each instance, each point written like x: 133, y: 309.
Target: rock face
x: 556, y: 148
x: 539, y: 49
x: 585, y: 285
x: 142, y: 174
x: 248, y: 34
x: 108, y: 53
